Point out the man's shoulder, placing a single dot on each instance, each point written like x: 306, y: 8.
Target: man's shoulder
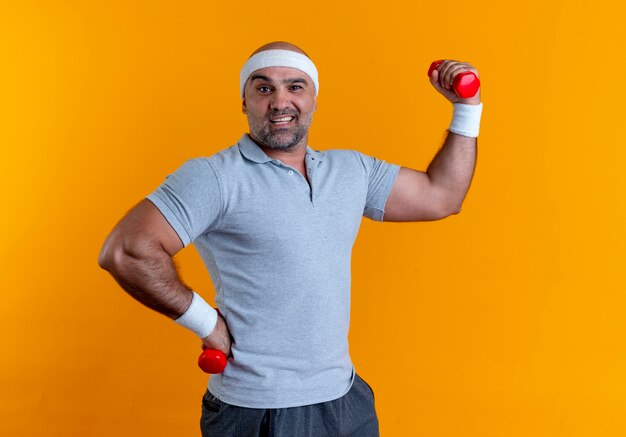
x: 346, y: 155
x: 220, y: 157
x: 229, y: 153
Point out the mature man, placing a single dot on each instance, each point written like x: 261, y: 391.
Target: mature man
x: 275, y: 221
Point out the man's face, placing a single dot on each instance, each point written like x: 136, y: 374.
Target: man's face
x: 279, y: 103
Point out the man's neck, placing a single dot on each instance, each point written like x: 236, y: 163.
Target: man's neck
x: 293, y: 156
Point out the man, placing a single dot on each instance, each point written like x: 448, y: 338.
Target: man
x: 275, y: 221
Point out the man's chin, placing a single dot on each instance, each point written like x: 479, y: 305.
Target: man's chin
x: 282, y: 130
x: 281, y: 140
x: 280, y: 146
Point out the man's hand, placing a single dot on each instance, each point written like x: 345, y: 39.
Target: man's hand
x: 220, y: 338
x: 443, y: 77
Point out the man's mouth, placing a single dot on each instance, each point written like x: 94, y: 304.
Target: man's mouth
x: 282, y: 120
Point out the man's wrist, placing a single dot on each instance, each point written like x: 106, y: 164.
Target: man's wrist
x: 200, y: 317
x: 466, y: 119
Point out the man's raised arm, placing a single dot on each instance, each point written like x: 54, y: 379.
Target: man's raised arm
x: 440, y: 191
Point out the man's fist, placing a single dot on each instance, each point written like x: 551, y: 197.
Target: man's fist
x: 443, y: 76
x: 220, y: 338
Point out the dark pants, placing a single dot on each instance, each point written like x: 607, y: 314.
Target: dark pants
x: 351, y: 415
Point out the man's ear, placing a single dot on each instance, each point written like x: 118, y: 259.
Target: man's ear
x: 243, y: 106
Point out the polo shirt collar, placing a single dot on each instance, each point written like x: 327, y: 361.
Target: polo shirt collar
x: 251, y: 151
x: 319, y: 156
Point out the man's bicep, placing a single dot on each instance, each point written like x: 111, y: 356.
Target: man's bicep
x: 144, y: 227
x: 160, y: 229
x: 414, y: 198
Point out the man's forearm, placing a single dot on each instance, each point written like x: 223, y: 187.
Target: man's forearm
x: 453, y: 167
x: 151, y: 278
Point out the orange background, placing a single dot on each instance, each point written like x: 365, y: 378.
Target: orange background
x: 505, y: 320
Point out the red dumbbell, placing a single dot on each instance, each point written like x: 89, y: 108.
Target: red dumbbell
x: 465, y: 84
x: 212, y: 360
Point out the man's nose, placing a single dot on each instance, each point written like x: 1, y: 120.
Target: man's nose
x: 280, y: 99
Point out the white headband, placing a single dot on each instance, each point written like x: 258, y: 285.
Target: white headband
x: 278, y: 58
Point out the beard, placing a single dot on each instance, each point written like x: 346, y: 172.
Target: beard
x: 283, y: 139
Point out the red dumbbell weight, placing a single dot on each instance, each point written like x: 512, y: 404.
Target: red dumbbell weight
x: 212, y: 360
x: 465, y: 84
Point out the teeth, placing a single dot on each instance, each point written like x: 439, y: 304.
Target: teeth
x: 282, y: 120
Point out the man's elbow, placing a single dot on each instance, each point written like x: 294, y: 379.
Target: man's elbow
x: 114, y: 253
x: 452, y: 204
x: 451, y: 209
x: 118, y: 249
x: 108, y: 257
x: 455, y: 210
x: 445, y: 203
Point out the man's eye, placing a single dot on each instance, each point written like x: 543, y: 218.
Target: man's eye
x: 263, y: 89
x: 296, y: 87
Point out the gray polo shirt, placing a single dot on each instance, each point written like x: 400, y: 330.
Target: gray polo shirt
x: 278, y: 251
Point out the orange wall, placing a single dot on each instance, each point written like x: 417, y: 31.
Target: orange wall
x: 505, y: 320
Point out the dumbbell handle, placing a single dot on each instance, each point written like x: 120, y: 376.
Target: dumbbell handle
x: 212, y: 360
x: 465, y: 84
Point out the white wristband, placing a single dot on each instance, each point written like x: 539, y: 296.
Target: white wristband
x: 466, y: 119
x: 200, y: 317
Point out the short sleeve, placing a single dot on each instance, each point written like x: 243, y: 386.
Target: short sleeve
x: 381, y: 177
x: 190, y: 199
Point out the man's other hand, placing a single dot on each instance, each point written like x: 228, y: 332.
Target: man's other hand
x: 220, y: 338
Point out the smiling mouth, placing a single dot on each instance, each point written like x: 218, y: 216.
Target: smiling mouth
x: 282, y: 120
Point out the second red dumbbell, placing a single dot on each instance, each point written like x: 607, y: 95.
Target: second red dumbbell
x: 465, y: 84
x: 212, y: 360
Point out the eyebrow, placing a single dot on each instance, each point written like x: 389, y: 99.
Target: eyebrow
x: 290, y: 80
